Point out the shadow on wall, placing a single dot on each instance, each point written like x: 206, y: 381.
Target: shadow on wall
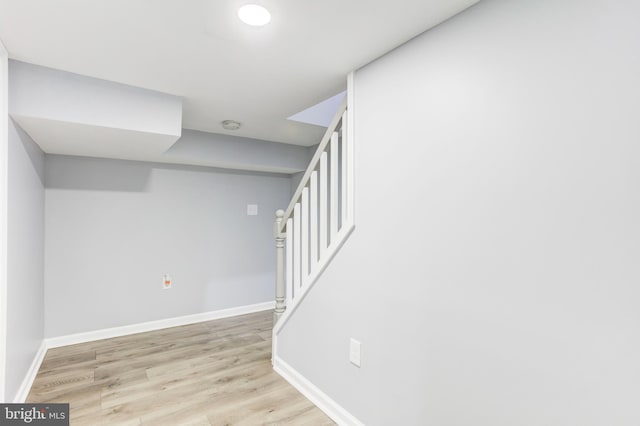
x: 99, y: 174
x: 96, y: 174
x: 32, y: 150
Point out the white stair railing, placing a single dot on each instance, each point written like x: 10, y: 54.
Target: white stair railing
x: 318, y: 219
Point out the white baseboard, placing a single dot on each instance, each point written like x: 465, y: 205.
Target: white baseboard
x: 331, y: 408
x: 90, y: 336
x: 107, y: 333
x: 25, y: 387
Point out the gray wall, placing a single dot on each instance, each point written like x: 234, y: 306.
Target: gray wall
x: 492, y: 277
x: 25, y: 259
x: 113, y: 228
x: 233, y: 152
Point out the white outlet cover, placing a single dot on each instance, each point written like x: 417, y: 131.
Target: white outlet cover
x: 354, y: 352
x: 252, y: 210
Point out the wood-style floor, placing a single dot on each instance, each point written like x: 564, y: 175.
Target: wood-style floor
x: 210, y: 373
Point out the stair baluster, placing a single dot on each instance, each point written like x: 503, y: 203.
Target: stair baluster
x: 318, y: 219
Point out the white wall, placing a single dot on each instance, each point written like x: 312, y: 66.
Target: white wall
x: 4, y: 166
x: 113, y: 228
x: 492, y: 277
x: 57, y: 95
x: 25, y: 259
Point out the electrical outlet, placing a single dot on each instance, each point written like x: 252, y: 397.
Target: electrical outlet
x: 252, y: 210
x: 354, y: 352
x: 166, y: 281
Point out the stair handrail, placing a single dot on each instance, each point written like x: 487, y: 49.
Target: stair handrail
x: 320, y: 216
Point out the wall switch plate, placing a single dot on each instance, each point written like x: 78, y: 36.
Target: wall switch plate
x: 354, y: 352
x: 166, y: 281
x: 252, y: 210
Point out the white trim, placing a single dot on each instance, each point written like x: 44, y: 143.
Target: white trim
x: 324, y: 202
x: 304, y: 235
x: 351, y: 149
x: 4, y: 153
x: 297, y: 244
x: 107, y: 333
x: 288, y: 282
x: 334, y: 187
x: 344, y: 145
x: 313, y: 220
x: 25, y: 387
x: 331, y: 408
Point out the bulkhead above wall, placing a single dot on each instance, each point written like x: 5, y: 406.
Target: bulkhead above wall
x: 72, y: 114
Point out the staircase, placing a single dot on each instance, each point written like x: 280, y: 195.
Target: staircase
x: 319, y: 218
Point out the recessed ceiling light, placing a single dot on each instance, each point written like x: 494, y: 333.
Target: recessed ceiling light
x: 230, y: 125
x: 254, y: 15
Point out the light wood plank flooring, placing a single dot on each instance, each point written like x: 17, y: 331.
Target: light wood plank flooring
x: 211, y: 373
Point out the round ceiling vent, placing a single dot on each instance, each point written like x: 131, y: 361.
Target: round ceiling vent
x: 230, y: 125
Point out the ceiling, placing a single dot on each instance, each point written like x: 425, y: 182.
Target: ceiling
x: 223, y: 69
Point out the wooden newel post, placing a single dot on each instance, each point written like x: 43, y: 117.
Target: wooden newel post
x: 280, y: 289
